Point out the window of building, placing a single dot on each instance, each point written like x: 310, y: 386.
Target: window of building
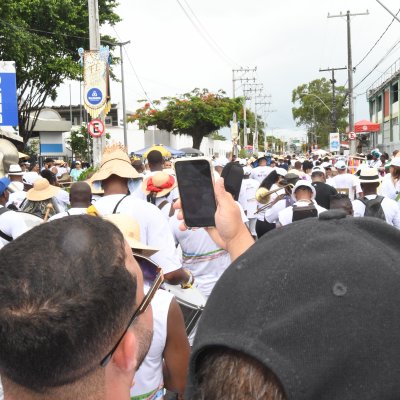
x: 395, y: 92
x: 379, y: 103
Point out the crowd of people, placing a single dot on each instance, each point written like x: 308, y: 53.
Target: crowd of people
x: 298, y: 280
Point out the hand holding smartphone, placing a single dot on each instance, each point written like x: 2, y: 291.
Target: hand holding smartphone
x: 196, y: 190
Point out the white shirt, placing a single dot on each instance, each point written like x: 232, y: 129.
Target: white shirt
x: 16, y: 198
x: 260, y: 173
x: 149, y: 377
x: 201, y: 255
x: 12, y: 224
x: 154, y: 229
x: 389, y: 207
x: 345, y: 181
x: 286, y: 215
x: 390, y: 189
x: 271, y: 214
x: 71, y: 211
x: 248, y: 199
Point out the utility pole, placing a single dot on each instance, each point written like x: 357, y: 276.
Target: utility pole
x: 123, y: 93
x: 244, y: 71
x: 256, y: 88
x: 258, y: 103
x: 333, y: 81
x: 350, y: 74
x: 94, y: 40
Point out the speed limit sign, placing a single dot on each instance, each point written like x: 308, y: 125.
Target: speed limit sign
x: 352, y: 136
x: 96, y: 128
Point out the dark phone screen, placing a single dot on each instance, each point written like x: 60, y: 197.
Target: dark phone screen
x: 196, y: 192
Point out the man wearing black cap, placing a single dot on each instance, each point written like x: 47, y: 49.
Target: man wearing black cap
x: 298, y: 327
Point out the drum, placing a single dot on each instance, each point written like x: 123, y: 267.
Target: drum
x: 31, y: 220
x: 192, y: 303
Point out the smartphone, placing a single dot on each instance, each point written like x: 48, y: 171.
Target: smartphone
x: 196, y: 190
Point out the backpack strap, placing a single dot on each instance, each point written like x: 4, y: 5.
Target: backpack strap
x: 116, y: 206
x: 164, y: 203
x: 377, y: 199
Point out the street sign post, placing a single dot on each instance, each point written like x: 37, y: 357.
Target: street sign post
x: 352, y: 136
x: 96, y: 128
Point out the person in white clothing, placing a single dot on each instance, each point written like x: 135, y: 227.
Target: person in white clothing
x: 158, y: 189
x: 18, y: 194
x: 11, y: 223
x: 390, y: 187
x: 115, y: 175
x: 376, y: 161
x: 80, y: 198
x: 247, y: 198
x: 304, y: 207
x: 370, y: 180
x: 344, y: 180
x: 261, y: 171
x: 166, y: 362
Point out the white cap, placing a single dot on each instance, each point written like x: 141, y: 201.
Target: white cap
x: 304, y: 183
x: 30, y: 178
x: 318, y: 169
x: 395, y: 162
x: 340, y: 164
x: 281, y: 171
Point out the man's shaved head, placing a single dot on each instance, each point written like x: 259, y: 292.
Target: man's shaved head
x: 80, y: 195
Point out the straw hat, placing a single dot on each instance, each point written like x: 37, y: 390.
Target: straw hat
x: 115, y: 161
x: 131, y: 231
x: 15, y: 169
x: 369, y: 175
x: 42, y: 190
x: 160, y: 183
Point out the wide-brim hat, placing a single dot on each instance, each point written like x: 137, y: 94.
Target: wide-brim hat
x: 369, y: 175
x: 115, y: 161
x: 42, y: 190
x: 15, y: 170
x: 160, y: 184
x: 131, y: 231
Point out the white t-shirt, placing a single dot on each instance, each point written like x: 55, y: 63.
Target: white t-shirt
x: 260, y: 173
x: 248, y: 198
x: 71, y: 211
x: 12, y: 224
x: 286, y: 215
x: 345, y: 181
x: 154, y: 229
x: 16, y: 198
x: 389, y: 206
x: 149, y: 377
x: 201, y: 255
x: 390, y: 189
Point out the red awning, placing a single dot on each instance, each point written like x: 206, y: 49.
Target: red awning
x: 366, y: 126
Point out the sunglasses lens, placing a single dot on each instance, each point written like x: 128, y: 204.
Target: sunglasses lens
x: 149, y: 270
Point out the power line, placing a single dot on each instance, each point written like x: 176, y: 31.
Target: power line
x: 377, y: 65
x: 372, y: 48
x: 221, y: 54
x: 211, y: 38
x: 134, y: 71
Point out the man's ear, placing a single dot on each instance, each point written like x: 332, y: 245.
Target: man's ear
x: 125, y: 356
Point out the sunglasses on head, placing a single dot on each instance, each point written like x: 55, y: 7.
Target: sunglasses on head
x: 156, y: 276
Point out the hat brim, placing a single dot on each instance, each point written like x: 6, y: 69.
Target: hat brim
x: 118, y: 167
x: 141, y: 248
x: 16, y: 173
x: 162, y: 193
x: 40, y: 195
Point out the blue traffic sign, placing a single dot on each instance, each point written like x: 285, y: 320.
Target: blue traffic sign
x: 8, y: 99
x: 94, y: 96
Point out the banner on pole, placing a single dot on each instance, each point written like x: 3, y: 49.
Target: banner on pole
x: 96, y: 98
x: 334, y: 141
x: 8, y: 94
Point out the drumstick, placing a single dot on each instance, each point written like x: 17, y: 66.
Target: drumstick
x: 49, y: 207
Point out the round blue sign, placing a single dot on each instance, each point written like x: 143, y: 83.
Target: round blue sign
x: 94, y: 96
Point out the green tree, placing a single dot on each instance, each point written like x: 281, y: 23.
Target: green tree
x: 80, y: 143
x: 251, y: 125
x: 197, y: 114
x: 42, y: 37
x: 315, y: 109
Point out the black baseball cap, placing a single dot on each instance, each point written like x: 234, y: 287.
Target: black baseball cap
x: 320, y: 310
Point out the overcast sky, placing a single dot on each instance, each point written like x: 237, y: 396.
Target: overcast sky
x: 287, y: 40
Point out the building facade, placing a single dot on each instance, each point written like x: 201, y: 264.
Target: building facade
x: 384, y: 108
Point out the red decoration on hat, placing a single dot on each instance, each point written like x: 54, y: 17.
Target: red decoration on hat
x: 151, y: 188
